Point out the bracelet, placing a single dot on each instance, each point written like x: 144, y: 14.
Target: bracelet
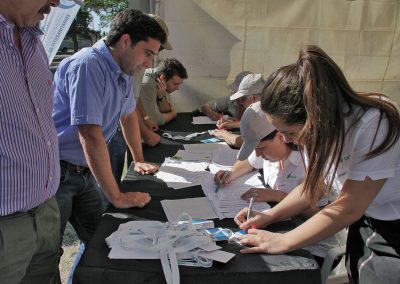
x: 146, y: 117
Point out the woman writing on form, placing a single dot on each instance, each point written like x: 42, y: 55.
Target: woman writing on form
x: 351, y: 143
x: 283, y: 169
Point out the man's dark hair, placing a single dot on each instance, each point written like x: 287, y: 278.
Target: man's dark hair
x: 137, y: 25
x: 170, y: 67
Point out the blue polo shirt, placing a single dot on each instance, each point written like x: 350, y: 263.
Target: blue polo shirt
x: 90, y: 88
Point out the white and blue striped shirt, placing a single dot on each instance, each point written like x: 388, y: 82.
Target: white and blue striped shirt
x: 29, y: 163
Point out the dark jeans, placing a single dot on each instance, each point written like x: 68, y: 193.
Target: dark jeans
x: 79, y: 201
x: 117, y: 149
x: 373, y: 249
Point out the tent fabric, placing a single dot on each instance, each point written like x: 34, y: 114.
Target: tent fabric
x: 217, y: 39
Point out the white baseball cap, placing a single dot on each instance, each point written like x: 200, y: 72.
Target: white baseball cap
x: 251, y: 84
x: 234, y: 86
x: 254, y: 126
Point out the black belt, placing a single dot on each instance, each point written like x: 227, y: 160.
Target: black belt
x: 31, y: 212
x: 76, y: 168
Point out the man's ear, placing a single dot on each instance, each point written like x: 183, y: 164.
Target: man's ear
x: 125, y: 40
x: 163, y: 78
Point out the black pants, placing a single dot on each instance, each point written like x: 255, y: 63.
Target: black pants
x: 373, y: 249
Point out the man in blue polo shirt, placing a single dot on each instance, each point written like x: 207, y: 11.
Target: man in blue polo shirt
x: 92, y: 93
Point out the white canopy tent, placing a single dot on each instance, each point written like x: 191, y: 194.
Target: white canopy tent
x: 217, y: 39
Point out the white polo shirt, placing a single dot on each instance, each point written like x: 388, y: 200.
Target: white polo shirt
x: 286, y: 180
x: 354, y: 166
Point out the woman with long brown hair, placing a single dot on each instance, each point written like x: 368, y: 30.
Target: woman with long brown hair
x: 350, y: 143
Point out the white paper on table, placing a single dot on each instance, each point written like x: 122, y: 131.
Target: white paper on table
x: 218, y: 255
x: 206, y: 119
x: 206, y: 147
x: 227, y: 202
x: 119, y: 252
x: 225, y: 157
x: 183, y: 155
x: 180, y: 174
x: 197, y: 208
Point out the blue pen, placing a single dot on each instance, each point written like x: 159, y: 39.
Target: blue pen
x: 221, y: 181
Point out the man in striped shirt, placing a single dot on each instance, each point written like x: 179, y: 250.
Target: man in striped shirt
x: 92, y: 93
x: 29, y: 171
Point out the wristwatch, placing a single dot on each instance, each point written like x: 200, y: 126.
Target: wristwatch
x: 163, y: 98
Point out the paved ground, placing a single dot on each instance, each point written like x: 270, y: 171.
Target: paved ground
x: 71, y: 247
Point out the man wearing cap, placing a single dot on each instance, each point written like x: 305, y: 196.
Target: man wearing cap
x: 93, y: 91
x: 157, y: 85
x: 213, y: 109
x: 248, y: 92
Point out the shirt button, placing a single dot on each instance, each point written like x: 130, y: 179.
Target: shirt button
x: 37, y: 110
x: 50, y: 178
x: 48, y: 143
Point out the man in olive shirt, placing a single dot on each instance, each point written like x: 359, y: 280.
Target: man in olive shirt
x: 157, y: 85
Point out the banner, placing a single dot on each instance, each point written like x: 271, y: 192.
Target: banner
x: 56, y: 24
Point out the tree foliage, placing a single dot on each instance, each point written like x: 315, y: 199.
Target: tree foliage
x: 80, y: 28
x: 105, y: 9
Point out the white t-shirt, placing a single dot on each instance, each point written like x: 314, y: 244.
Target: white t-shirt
x: 386, y: 205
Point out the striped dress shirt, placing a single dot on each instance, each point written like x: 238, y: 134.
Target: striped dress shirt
x: 29, y: 163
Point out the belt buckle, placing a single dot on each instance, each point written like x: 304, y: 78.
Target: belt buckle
x: 78, y: 170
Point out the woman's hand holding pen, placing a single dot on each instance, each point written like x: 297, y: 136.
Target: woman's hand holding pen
x: 261, y: 241
x: 218, y: 177
x: 259, y: 219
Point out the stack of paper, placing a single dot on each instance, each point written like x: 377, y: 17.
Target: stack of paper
x: 225, y: 157
x: 227, y: 202
x: 183, y: 155
x: 136, y: 240
x: 198, y: 208
x: 180, y: 174
x: 207, y: 120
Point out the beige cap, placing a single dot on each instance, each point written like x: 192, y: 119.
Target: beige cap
x: 251, y: 84
x: 254, y: 126
x: 166, y: 45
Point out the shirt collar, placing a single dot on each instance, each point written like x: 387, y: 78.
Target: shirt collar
x: 32, y: 30
x: 103, y: 49
x: 295, y: 158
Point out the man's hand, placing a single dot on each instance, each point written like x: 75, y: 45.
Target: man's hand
x: 151, y: 124
x: 228, y: 124
x: 145, y: 168
x: 151, y: 139
x: 131, y: 199
x: 220, y: 133
x: 161, y: 87
x: 213, y: 115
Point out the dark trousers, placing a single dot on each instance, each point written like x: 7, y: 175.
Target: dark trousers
x: 373, y: 249
x: 79, y: 200
x: 29, y: 245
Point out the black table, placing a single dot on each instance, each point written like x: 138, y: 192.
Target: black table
x: 95, y: 267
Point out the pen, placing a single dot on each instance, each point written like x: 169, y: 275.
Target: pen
x: 250, y: 211
x: 221, y: 181
x: 221, y: 118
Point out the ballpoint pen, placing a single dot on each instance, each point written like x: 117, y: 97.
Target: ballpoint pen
x: 221, y: 118
x: 250, y: 211
x: 221, y: 181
